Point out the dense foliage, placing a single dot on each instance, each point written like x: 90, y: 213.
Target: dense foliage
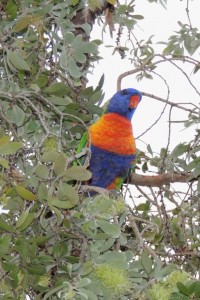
x: 57, y: 241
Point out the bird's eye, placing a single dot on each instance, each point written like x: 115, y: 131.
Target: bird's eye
x: 124, y: 92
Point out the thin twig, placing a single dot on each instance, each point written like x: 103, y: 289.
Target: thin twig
x: 142, y: 243
x: 188, y: 14
x: 169, y: 102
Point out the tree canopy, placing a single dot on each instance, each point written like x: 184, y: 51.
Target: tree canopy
x: 57, y: 240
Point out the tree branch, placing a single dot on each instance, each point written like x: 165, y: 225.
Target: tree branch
x: 158, y: 180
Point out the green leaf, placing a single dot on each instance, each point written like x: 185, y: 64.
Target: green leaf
x: 182, y: 288
x: 58, y: 215
x: 179, y: 150
x: 57, y: 88
x: 61, y: 204
x: 83, y: 282
x: 42, y: 171
x: 193, y: 164
x: 79, y: 56
x: 11, y: 9
x: 111, y: 229
x: 107, y: 244
x: 167, y: 269
x: 147, y: 263
x: 54, y: 290
x: 99, y: 205
x: 60, y: 101
x: 143, y: 206
x: 22, y: 23
x: 73, y: 69
x: 4, y: 140
x: 59, y: 250
x: 59, y: 163
x: 17, y: 61
x: 87, y: 268
x: 5, y: 226
x: 64, y: 60
x: 197, y: 289
x: 89, y: 47
x: 179, y: 51
x: 10, y: 148
x: 16, y: 115
x: 4, y: 163
x: 41, y: 80
x: 137, y: 17
x: 36, y: 269
x: 27, y: 221
x: 118, y: 259
x: 112, y: 2
x: 25, y: 194
x: 69, y: 37
x: 149, y: 149
x: 77, y: 173
x: 67, y: 192
x: 5, y: 242
x: 42, y: 191
x: 95, y: 97
x: 49, y: 156
x: 22, y: 217
x: 93, y: 4
x: 178, y: 296
x: 196, y: 171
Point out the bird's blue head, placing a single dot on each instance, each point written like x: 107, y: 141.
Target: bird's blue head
x: 124, y: 102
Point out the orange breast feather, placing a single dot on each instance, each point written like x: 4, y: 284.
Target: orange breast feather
x: 114, y: 134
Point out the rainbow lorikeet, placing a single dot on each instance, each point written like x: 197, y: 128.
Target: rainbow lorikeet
x: 112, y: 143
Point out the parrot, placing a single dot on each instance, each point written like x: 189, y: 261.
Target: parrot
x: 112, y: 143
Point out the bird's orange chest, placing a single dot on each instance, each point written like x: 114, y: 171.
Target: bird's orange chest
x: 114, y: 134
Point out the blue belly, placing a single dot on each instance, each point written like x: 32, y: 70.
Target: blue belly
x: 107, y: 166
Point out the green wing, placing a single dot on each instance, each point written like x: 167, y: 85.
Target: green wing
x: 83, y: 143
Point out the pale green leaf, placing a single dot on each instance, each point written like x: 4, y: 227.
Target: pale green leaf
x: 10, y: 148
x: 17, y: 61
x: 5, y: 242
x: 69, y: 37
x: 64, y: 60
x: 179, y: 150
x: 57, y: 88
x: 60, y: 100
x: 87, y: 268
x: 4, y: 140
x: 67, y: 192
x: 73, y: 68
x: 49, y: 156
x: 4, y: 163
x: 59, y: 163
x: 25, y: 194
x: 22, y: 23
x: 5, y: 226
x: 138, y: 17
x: 61, y: 204
x: 79, y: 56
x: 16, y: 115
x: 83, y: 282
x: 93, y: 4
x: 22, y: 217
x: 147, y: 263
x: 77, y: 173
x: 111, y: 229
x: 11, y: 9
x: 89, y: 47
x: 42, y: 171
x: 27, y: 222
